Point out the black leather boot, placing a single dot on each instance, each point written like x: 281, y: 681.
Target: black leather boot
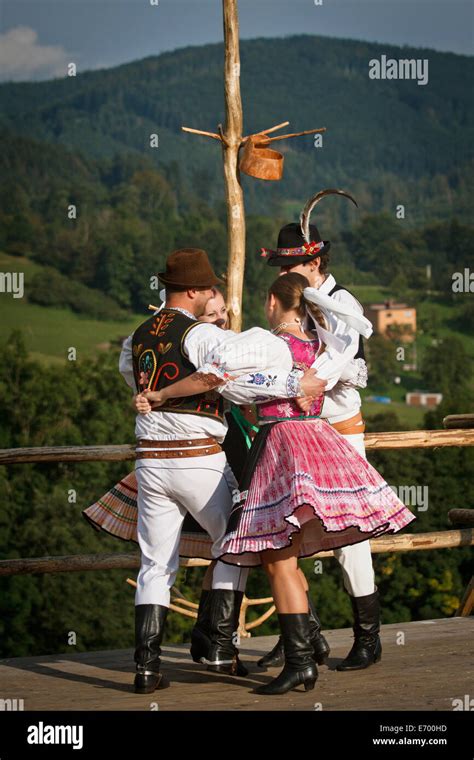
x: 223, y: 612
x: 276, y: 657
x: 321, y: 647
x: 300, y: 667
x: 149, y: 626
x: 367, y: 648
x: 200, y: 641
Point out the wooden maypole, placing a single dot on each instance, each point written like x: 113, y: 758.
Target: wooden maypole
x: 231, y: 140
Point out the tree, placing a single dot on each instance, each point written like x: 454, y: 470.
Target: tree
x: 447, y: 368
x: 382, y: 362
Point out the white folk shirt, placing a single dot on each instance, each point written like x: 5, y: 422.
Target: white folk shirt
x: 198, y: 346
x: 343, y: 372
x: 255, y: 361
x: 262, y: 368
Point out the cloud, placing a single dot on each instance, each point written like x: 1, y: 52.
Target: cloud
x: 22, y: 57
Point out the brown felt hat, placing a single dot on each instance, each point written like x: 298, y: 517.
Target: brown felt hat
x: 189, y: 268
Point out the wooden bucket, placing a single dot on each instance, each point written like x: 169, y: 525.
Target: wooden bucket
x: 259, y: 161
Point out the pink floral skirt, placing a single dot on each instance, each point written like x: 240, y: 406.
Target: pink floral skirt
x: 309, y: 481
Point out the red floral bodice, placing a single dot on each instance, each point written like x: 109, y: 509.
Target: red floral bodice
x: 304, y: 353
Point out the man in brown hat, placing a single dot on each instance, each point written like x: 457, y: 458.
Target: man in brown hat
x: 180, y: 464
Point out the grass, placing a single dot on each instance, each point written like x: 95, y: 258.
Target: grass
x: 411, y: 417
x: 370, y: 293
x: 49, y: 332
x: 19, y: 264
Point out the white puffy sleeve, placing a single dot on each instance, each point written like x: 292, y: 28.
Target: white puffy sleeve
x: 334, y: 364
x: 126, y: 363
x: 201, y: 340
x: 255, y: 365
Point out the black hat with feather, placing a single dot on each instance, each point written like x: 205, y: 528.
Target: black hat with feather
x: 301, y: 242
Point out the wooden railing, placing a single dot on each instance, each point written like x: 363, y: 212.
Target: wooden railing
x: 462, y: 536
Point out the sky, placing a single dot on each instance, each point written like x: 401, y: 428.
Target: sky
x: 38, y: 38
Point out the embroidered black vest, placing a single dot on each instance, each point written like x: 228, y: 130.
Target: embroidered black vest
x: 360, y: 351
x: 159, y: 361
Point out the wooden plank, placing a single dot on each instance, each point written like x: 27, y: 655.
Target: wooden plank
x: 461, y: 516
x: 445, y: 539
x: 407, y: 439
x: 458, y: 421
x: 29, y: 455
x: 426, y: 665
x: 418, y: 439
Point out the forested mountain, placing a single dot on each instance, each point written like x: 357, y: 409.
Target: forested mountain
x: 388, y: 141
x: 129, y: 219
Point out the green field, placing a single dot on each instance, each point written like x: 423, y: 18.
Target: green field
x: 50, y: 332
x: 410, y: 416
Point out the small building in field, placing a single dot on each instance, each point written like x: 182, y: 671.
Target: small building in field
x: 398, y: 316
x: 423, y: 398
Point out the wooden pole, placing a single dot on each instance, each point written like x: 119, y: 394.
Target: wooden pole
x: 232, y: 137
x: 406, y: 542
x: 462, y: 516
x: 408, y: 439
x: 459, y: 421
x: 467, y: 602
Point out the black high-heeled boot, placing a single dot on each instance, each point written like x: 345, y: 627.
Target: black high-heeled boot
x: 300, y: 667
x: 273, y: 659
x: 200, y: 641
x: 366, y: 649
x: 223, y: 611
x: 321, y: 648
x: 276, y: 657
x: 149, y: 626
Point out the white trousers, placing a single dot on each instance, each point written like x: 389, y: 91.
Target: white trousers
x: 166, y: 491
x: 356, y: 560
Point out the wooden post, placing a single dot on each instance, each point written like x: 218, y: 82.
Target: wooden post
x: 232, y: 137
x: 459, y: 421
x: 467, y: 602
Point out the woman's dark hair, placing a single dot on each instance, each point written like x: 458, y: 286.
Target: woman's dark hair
x: 288, y: 290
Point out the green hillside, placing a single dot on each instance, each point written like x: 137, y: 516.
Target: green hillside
x: 49, y: 332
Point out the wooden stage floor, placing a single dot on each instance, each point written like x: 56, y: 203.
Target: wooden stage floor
x: 433, y: 667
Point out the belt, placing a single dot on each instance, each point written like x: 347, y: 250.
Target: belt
x: 179, y: 454
x: 352, y: 426
x: 181, y: 449
x: 178, y: 444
